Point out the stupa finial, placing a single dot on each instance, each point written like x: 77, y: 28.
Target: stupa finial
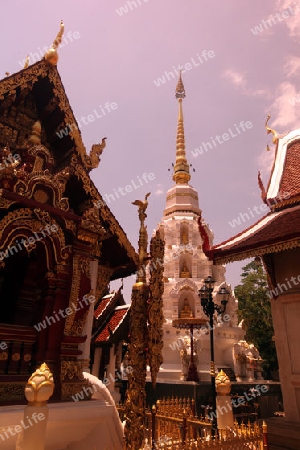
x: 181, y: 174
x: 180, y: 92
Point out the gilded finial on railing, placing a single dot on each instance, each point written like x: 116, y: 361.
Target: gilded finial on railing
x: 223, y: 384
x: 51, y: 55
x: 270, y: 130
x: 40, y: 386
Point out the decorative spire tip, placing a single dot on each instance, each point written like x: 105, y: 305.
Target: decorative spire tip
x: 180, y: 92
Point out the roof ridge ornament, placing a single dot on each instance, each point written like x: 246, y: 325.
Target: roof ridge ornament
x: 270, y: 130
x: 95, y: 153
x: 26, y: 63
x: 51, y: 55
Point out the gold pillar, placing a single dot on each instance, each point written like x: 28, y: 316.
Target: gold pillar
x: 155, y: 311
x: 138, y: 342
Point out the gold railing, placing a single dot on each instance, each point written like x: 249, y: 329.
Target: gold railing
x: 173, y: 425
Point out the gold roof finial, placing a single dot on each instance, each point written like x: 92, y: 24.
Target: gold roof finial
x: 51, y: 55
x: 181, y: 173
x: 270, y: 130
x: 26, y: 64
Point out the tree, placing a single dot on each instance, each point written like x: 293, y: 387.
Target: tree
x: 255, y: 308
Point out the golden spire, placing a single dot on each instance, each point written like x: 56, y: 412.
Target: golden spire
x: 51, y: 55
x: 181, y: 173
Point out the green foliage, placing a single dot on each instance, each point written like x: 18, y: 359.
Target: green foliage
x: 255, y: 308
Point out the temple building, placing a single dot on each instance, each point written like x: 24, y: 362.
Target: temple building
x: 185, y: 267
x: 275, y: 240
x: 60, y: 245
x: 111, y: 328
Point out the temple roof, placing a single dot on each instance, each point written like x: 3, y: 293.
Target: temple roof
x: 36, y: 94
x: 116, y: 324
x: 107, y: 303
x: 103, y: 306
x: 273, y: 233
x: 284, y: 184
x: 280, y: 228
x: 41, y: 85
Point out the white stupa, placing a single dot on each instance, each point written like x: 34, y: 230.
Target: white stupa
x: 185, y: 268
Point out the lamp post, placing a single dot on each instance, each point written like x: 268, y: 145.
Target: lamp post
x: 192, y: 372
x: 209, y: 308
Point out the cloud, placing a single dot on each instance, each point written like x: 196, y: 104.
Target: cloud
x: 159, y: 190
x: 293, y: 21
x: 265, y: 162
x: 238, y: 79
x: 292, y: 66
x: 285, y: 115
x: 258, y: 92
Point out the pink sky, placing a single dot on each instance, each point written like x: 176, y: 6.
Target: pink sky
x: 116, y: 58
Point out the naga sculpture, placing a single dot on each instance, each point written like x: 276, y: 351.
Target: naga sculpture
x: 270, y: 130
x: 51, y: 55
x: 96, y: 152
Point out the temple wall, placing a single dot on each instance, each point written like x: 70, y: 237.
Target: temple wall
x: 286, y: 320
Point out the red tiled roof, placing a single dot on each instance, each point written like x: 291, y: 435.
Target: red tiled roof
x: 272, y: 233
x: 279, y: 229
x: 113, y: 324
x: 103, y: 305
x: 284, y: 183
x: 290, y: 181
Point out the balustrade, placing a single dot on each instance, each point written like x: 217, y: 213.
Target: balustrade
x: 173, y: 425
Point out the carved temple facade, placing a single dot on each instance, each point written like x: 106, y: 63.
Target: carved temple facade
x: 60, y: 245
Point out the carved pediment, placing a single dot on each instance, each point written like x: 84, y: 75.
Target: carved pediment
x: 185, y: 284
x: 43, y: 188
